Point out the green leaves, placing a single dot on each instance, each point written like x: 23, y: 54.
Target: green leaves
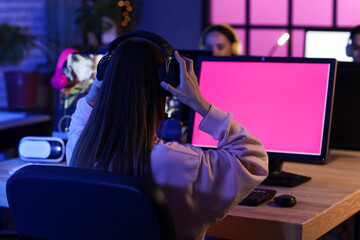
x: 15, y: 44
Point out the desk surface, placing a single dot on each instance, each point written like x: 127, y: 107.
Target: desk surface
x: 5, y: 167
x: 11, y: 120
x: 15, y: 126
x: 329, y: 198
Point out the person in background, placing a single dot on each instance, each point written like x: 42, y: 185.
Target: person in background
x: 114, y: 128
x: 221, y: 39
x: 353, y: 46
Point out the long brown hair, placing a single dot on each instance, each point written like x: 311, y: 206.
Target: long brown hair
x: 121, y: 130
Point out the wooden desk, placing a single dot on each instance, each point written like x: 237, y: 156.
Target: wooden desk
x: 23, y: 119
x: 328, y: 199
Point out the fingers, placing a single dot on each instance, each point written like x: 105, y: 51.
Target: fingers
x: 92, y: 95
x: 186, y: 64
x: 97, y: 83
x: 167, y: 87
x: 181, y: 61
x: 189, y: 65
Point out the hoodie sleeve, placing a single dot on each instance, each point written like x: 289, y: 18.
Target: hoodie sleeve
x: 77, y: 124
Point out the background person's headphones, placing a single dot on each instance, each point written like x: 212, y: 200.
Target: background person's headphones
x: 349, y: 46
x: 168, y: 70
x: 59, y: 80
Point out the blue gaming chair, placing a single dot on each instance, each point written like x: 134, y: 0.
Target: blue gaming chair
x: 55, y: 202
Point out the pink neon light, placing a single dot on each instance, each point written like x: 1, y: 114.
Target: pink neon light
x: 312, y: 13
x: 263, y: 40
x: 298, y: 39
x: 272, y: 100
x: 348, y: 13
x: 274, y: 12
x: 227, y: 11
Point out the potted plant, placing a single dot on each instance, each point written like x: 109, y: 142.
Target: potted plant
x: 15, y: 45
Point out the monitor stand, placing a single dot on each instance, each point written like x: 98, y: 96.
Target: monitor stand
x: 277, y: 177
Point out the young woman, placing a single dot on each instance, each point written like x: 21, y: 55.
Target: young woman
x: 221, y: 39
x: 116, y: 130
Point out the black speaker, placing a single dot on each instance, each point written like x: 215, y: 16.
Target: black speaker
x: 169, y: 70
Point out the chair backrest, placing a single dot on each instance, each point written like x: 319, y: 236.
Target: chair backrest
x: 54, y: 202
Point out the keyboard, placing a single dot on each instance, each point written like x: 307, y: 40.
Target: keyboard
x: 258, y: 196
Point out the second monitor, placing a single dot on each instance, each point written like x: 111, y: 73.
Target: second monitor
x: 345, y: 127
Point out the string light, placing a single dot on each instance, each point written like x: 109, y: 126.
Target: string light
x: 127, y: 9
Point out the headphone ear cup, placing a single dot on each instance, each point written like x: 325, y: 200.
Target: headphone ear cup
x: 236, y: 49
x: 349, y: 50
x: 59, y: 81
x: 162, y: 72
x: 174, y: 73
x: 170, y: 73
x: 102, y: 66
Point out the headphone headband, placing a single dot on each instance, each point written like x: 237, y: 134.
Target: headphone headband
x: 168, y: 70
x: 63, y: 56
x: 166, y: 48
x: 59, y: 81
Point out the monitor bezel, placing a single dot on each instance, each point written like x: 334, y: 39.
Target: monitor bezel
x: 306, y: 158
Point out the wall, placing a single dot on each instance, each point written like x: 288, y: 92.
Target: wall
x: 51, y: 19
x: 179, y: 22
x: 23, y: 13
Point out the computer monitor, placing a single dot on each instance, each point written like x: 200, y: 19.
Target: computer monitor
x: 80, y: 70
x: 286, y: 103
x: 345, y: 127
x: 326, y: 44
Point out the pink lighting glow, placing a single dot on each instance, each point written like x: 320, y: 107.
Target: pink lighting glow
x: 274, y: 12
x: 312, y: 13
x: 348, y: 13
x: 263, y: 40
x: 228, y: 11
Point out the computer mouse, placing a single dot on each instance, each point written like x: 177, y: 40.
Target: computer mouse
x: 285, y: 200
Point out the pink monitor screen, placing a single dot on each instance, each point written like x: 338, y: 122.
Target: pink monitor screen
x: 281, y: 102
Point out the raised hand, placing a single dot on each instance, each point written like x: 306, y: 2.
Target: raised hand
x: 93, y: 93
x: 188, y: 91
